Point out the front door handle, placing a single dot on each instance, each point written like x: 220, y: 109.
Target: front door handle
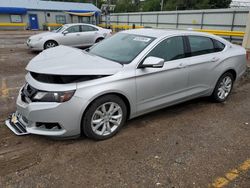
x: 77, y: 34
x: 182, y: 65
x: 215, y: 59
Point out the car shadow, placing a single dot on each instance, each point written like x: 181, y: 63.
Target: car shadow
x: 168, y: 112
x: 171, y: 111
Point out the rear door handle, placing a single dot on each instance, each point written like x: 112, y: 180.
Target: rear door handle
x: 215, y: 59
x: 77, y: 34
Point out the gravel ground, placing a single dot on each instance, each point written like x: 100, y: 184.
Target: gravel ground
x: 188, y: 145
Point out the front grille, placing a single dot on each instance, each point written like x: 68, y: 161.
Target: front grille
x: 19, y: 127
x: 27, y: 93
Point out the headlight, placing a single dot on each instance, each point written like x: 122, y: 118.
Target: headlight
x: 35, y: 39
x: 60, y: 97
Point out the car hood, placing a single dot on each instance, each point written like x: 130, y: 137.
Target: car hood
x: 63, y: 60
x: 38, y: 36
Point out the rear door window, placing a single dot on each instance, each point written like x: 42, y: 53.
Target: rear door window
x: 200, y: 45
x: 86, y: 28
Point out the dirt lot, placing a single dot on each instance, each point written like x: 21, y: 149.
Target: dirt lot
x: 195, y: 144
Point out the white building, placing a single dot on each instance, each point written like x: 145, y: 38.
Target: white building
x: 36, y: 14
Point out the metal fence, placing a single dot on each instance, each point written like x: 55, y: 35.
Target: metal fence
x: 215, y: 19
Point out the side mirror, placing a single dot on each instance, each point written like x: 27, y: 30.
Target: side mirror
x: 152, y: 62
x: 65, y: 32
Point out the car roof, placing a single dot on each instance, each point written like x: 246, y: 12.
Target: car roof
x: 68, y: 25
x: 159, y: 33
x: 162, y: 33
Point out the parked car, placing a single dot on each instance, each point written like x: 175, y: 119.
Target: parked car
x: 71, y: 92
x: 76, y: 35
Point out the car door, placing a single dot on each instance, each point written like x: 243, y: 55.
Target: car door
x: 158, y: 87
x: 88, y: 35
x: 72, y: 37
x: 205, y: 56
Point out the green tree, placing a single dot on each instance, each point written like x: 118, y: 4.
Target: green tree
x: 155, y: 5
x: 195, y: 4
x: 126, y: 6
x: 219, y: 3
x: 151, y: 5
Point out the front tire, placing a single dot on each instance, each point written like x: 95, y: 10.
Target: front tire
x: 50, y: 44
x: 223, y: 87
x: 104, y: 117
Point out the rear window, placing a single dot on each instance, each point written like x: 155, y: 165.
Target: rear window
x: 218, y: 46
x: 201, y: 45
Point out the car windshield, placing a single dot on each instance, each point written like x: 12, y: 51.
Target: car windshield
x: 121, y: 47
x: 59, y: 29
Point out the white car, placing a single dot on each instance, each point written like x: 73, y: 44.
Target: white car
x: 76, y: 35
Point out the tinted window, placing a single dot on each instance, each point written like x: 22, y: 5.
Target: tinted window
x: 169, y: 49
x: 86, y: 28
x: 219, y: 46
x: 200, y: 45
x: 74, y: 29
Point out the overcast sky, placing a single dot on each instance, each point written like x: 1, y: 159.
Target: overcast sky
x: 241, y: 2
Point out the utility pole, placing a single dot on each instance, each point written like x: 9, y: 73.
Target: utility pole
x: 162, y: 1
x: 108, y: 14
x: 107, y: 8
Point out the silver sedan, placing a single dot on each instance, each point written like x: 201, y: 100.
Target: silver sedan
x: 76, y: 35
x: 70, y: 92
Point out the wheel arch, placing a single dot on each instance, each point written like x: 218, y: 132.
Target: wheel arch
x: 48, y: 41
x: 122, y: 96
x: 214, y: 93
x: 233, y: 72
x: 99, y: 37
x: 230, y: 70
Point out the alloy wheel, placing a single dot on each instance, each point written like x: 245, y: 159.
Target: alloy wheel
x: 225, y: 87
x: 50, y: 45
x: 106, y: 119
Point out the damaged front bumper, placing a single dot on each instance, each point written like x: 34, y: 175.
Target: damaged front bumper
x: 46, y: 118
x: 16, y: 124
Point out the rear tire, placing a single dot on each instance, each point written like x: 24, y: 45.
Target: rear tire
x: 104, y: 117
x: 50, y: 44
x: 223, y: 87
x: 99, y: 40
